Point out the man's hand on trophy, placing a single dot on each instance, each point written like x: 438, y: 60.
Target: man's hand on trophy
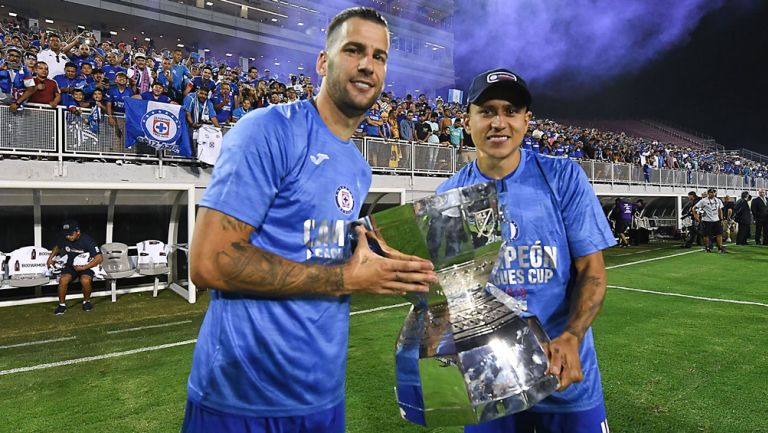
x: 564, y: 362
x: 368, y: 272
x: 389, y: 251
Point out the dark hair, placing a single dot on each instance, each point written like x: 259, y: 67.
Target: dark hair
x: 252, y: 68
x: 70, y: 65
x: 365, y: 13
x: 77, y: 90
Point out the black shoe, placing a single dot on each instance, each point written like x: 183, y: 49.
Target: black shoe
x: 60, y: 309
x: 87, y: 306
x: 723, y: 251
x: 709, y: 250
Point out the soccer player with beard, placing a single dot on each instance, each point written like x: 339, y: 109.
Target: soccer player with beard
x: 554, y: 232
x: 271, y: 242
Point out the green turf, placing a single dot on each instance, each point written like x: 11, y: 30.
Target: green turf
x: 669, y: 364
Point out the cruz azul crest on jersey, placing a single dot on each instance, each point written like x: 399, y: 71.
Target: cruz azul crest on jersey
x: 345, y: 201
x: 161, y: 128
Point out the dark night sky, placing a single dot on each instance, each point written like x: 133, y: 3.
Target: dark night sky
x: 714, y: 83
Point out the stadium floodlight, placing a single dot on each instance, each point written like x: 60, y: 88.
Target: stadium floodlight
x: 113, y: 33
x: 180, y: 45
x: 12, y: 14
x: 49, y: 21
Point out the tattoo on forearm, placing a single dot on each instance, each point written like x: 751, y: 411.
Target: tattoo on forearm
x: 246, y: 267
x: 586, y: 304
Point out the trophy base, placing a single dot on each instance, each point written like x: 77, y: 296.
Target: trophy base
x: 498, y: 371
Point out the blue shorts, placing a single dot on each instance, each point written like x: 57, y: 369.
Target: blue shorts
x: 71, y: 271
x: 201, y: 419
x: 587, y: 421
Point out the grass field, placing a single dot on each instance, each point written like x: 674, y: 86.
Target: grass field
x: 669, y: 363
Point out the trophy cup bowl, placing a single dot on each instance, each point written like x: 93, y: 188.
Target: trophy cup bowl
x: 466, y: 353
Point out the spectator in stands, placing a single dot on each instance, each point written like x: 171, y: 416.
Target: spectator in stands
x: 72, y: 244
x: 422, y: 129
x: 156, y: 94
x: 180, y: 74
x: 204, y: 80
x: 242, y: 110
x: 140, y: 75
x: 78, y: 102
x: 759, y: 207
x: 373, y: 122
x: 743, y: 217
x: 113, y: 66
x: 223, y: 102
x: 54, y: 56
x: 253, y: 76
x: 17, y: 83
x: 68, y: 82
x: 82, y: 55
x: 47, y: 91
x: 116, y: 96
x: 199, y: 109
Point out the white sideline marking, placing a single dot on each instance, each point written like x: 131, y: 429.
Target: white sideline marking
x: 96, y: 358
x: 162, y: 325
x: 680, y: 295
x: 386, y: 307
x: 145, y: 349
x: 31, y: 343
x: 638, y: 252
x: 653, y: 259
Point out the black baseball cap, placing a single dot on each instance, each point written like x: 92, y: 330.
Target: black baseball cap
x: 69, y: 226
x: 499, y: 84
x: 712, y: 190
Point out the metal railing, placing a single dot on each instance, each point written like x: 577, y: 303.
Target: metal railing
x: 41, y: 130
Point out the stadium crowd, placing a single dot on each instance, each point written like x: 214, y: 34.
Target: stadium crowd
x: 74, y: 70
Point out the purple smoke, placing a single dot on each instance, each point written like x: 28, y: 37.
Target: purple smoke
x: 573, y: 45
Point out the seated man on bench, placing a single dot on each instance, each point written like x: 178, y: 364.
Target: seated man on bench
x: 72, y: 244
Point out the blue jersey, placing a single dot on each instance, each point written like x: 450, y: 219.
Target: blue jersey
x: 550, y: 216
x: 117, y: 98
x: 282, y: 171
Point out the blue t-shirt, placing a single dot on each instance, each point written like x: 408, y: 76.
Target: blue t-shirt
x: 117, y: 98
x: 282, y: 171
x: 370, y: 129
x: 226, y: 110
x: 149, y: 96
x: 550, y: 216
x: 110, y: 72
x: 72, y: 83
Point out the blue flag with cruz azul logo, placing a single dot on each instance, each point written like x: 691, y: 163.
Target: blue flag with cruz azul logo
x: 161, y: 126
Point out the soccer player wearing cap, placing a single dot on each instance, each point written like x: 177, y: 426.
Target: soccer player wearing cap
x: 709, y: 213
x: 71, y: 244
x: 270, y: 241
x: 548, y: 207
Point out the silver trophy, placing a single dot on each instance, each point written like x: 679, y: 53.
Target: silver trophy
x: 466, y: 353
